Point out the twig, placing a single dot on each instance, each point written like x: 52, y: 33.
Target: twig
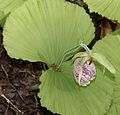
x: 9, y: 102
x: 36, y: 101
x: 6, y: 109
x: 11, y: 83
x: 4, y: 71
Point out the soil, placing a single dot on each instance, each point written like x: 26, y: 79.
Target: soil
x: 17, y: 76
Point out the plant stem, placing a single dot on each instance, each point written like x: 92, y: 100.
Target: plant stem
x: 34, y: 87
x: 73, y: 50
x: 86, y: 48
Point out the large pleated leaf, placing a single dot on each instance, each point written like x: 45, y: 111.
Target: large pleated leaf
x: 115, y: 105
x: 42, y: 30
x: 60, y: 94
x: 7, y: 6
x: 107, y: 8
x: 110, y: 48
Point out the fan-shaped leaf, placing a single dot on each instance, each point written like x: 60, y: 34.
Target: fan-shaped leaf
x: 42, y: 30
x: 60, y: 94
x: 6, y: 6
x: 107, y: 8
x: 115, y: 105
x: 110, y: 48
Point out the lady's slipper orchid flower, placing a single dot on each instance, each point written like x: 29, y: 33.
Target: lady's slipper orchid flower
x: 84, y: 72
x: 84, y: 68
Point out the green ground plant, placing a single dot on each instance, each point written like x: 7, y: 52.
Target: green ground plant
x: 52, y: 31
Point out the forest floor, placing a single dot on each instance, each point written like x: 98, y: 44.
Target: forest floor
x: 17, y: 76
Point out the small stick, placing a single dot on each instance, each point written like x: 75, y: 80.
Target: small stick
x: 6, y: 110
x: 9, y: 102
x: 36, y: 101
x: 10, y: 83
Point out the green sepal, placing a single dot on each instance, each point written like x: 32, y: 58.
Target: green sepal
x: 103, y: 61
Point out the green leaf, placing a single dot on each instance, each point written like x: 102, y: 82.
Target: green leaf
x: 60, y: 94
x: 110, y: 48
x: 103, y: 60
x: 7, y: 6
x: 115, y: 105
x: 42, y: 30
x: 107, y: 8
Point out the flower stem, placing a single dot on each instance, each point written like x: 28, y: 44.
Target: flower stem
x: 73, y: 50
x: 86, y: 48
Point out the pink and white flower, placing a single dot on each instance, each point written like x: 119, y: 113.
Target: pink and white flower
x: 84, y: 72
